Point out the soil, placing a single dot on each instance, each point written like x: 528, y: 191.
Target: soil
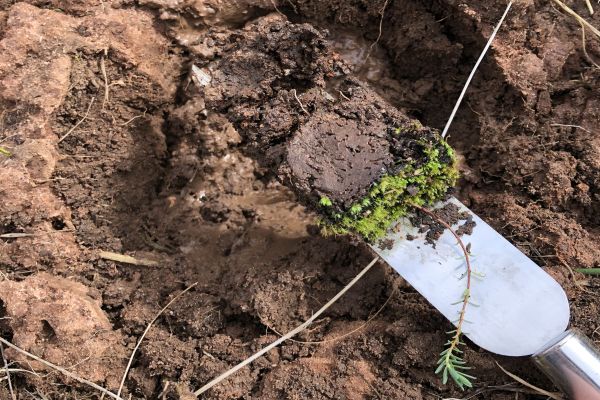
x: 147, y: 170
x: 302, y: 114
x: 450, y: 214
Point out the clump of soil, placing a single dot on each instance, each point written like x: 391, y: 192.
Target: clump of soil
x: 58, y: 320
x: 153, y: 172
x: 326, y: 134
x: 450, y: 214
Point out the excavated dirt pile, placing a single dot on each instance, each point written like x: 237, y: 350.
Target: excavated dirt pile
x: 162, y: 130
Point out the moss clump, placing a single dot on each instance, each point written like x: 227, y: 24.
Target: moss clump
x: 421, y: 182
x: 325, y: 202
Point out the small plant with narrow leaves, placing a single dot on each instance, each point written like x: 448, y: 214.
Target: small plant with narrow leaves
x: 451, y: 363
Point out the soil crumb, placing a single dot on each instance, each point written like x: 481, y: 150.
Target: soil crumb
x: 433, y: 228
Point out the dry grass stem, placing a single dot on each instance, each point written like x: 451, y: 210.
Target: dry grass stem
x: 578, y: 17
x: 276, y: 8
x: 472, y: 74
x: 146, y: 331
x: 380, y: 31
x: 299, y: 102
x: 571, y: 126
x: 350, y: 333
x: 584, y: 47
x: 7, y: 372
x: 79, y: 122
x: 589, y: 6
x: 105, y: 77
x: 555, y: 396
x: 15, y: 235
x: 133, y: 119
x: 109, y: 255
x: 288, y: 335
x: 60, y: 369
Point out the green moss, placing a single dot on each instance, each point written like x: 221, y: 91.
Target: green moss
x: 415, y: 183
x: 325, y: 202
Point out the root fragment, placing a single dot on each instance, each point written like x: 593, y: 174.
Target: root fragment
x: 79, y: 122
x: 103, y: 70
x: 146, y: 331
x: 61, y: 370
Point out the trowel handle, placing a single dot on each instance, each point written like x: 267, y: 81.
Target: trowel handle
x: 573, y: 364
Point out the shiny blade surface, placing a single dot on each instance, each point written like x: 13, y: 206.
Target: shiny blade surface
x: 518, y: 307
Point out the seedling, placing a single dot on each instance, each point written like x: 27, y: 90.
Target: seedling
x: 451, y: 363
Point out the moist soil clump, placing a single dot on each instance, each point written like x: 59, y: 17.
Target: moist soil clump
x: 155, y: 168
x: 327, y: 135
x: 449, y: 214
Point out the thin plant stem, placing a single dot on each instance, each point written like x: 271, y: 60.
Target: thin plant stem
x: 446, y: 362
x: 578, y: 17
x: 7, y: 372
x: 78, y: 123
x: 589, y: 6
x: 385, y: 4
x: 472, y: 74
x: 144, y: 335
x: 60, y: 369
x: 554, y: 396
x: 288, y: 335
x: 347, y: 334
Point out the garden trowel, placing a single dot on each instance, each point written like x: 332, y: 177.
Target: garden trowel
x: 517, y: 308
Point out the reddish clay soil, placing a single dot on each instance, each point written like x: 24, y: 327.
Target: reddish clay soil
x: 153, y: 173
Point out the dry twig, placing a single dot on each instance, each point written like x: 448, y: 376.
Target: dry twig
x: 60, y: 369
x: 7, y: 372
x: 79, y: 122
x: 555, y: 396
x: 109, y: 255
x: 146, y: 331
x: 288, y: 335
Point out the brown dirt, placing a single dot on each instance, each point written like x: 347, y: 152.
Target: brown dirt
x: 153, y: 174
x: 302, y: 114
x: 449, y: 214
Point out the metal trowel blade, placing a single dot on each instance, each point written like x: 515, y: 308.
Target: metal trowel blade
x: 517, y: 307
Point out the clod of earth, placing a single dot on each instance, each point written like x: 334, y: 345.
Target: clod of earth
x: 327, y: 135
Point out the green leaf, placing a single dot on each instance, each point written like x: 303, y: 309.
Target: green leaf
x: 5, y: 152
x: 439, y: 368
x: 589, y: 271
